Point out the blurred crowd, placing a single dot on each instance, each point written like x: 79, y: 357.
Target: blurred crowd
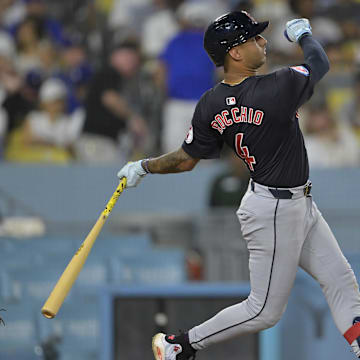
x: 107, y: 81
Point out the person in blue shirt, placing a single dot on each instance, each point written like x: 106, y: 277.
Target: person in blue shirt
x: 187, y: 73
x: 51, y: 28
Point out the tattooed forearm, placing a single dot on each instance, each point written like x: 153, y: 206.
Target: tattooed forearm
x: 174, y: 162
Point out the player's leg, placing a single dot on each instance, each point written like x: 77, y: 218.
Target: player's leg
x: 323, y: 259
x: 273, y: 259
x: 273, y: 230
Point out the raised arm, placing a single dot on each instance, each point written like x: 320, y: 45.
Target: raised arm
x: 315, y: 57
x: 299, y: 30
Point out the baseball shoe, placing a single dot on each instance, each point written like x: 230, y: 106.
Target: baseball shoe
x: 171, y: 347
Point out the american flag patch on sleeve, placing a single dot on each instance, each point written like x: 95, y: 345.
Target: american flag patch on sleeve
x: 301, y: 69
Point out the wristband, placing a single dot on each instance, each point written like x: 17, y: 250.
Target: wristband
x: 145, y: 165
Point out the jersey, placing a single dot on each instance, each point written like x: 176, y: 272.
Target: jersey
x: 258, y: 119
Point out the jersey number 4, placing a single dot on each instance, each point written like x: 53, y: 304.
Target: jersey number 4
x: 243, y: 151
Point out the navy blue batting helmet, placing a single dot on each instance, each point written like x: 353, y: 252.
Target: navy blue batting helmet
x: 228, y: 31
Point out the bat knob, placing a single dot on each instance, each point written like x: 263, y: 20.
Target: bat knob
x: 48, y: 314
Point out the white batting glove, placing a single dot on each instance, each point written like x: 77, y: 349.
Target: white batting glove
x: 296, y: 28
x: 134, y: 172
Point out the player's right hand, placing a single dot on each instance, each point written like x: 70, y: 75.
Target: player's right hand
x: 134, y: 172
x: 297, y: 28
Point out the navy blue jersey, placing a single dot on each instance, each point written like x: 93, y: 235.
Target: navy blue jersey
x: 258, y: 119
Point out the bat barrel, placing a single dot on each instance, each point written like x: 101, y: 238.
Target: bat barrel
x: 71, y: 272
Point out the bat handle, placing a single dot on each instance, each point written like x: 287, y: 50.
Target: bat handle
x: 114, y: 198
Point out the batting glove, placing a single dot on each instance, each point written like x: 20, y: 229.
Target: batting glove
x: 297, y: 28
x: 134, y: 172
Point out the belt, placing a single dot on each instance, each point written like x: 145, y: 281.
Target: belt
x: 284, y: 193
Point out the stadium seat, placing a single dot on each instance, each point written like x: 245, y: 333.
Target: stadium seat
x: 110, y: 245
x: 33, y: 283
x: 18, y: 338
x: 80, y: 329
x: 47, y: 245
x: 150, y: 266
x: 95, y: 272
x: 7, y: 246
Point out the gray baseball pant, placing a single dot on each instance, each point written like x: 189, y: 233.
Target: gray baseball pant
x: 282, y: 234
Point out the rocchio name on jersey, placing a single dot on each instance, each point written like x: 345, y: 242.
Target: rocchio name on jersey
x: 236, y: 115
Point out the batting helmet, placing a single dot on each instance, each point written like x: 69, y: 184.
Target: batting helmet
x: 228, y: 31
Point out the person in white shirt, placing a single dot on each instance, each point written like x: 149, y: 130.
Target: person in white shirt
x: 330, y: 143
x: 51, y: 125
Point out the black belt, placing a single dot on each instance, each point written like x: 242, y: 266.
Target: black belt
x: 283, y: 193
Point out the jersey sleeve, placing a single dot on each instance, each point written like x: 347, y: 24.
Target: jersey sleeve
x: 294, y: 86
x: 202, y: 142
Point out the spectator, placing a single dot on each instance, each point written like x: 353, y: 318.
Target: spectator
x: 329, y: 143
x: 28, y: 37
x: 228, y: 188
x: 129, y: 14
x: 344, y: 11
x: 3, y: 129
x: 119, y: 99
x: 13, y: 102
x: 87, y: 21
x: 11, y: 13
x: 159, y: 28
x: 75, y: 72
x: 35, y: 55
x: 50, y: 28
x: 187, y: 72
x: 350, y: 112
x: 242, y: 5
x: 280, y: 11
x: 6, y: 53
x: 48, y: 133
x: 323, y: 28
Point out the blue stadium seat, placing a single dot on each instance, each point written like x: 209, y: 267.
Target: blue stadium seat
x: 7, y: 246
x: 80, y: 329
x: 18, y: 278
x: 149, y: 266
x: 110, y: 245
x: 18, y: 338
x: 33, y: 283
x: 21, y: 263
x: 47, y: 245
x: 94, y: 273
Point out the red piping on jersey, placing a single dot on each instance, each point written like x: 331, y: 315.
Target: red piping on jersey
x: 353, y: 333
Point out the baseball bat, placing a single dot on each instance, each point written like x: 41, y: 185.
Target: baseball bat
x: 72, y: 270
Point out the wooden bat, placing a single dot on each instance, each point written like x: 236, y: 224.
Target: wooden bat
x: 71, y: 272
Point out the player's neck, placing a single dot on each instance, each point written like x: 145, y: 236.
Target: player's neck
x: 235, y: 78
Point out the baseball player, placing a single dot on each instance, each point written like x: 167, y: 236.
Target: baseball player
x: 256, y: 116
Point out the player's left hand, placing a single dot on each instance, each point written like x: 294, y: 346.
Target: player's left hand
x: 296, y: 28
x: 134, y: 172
